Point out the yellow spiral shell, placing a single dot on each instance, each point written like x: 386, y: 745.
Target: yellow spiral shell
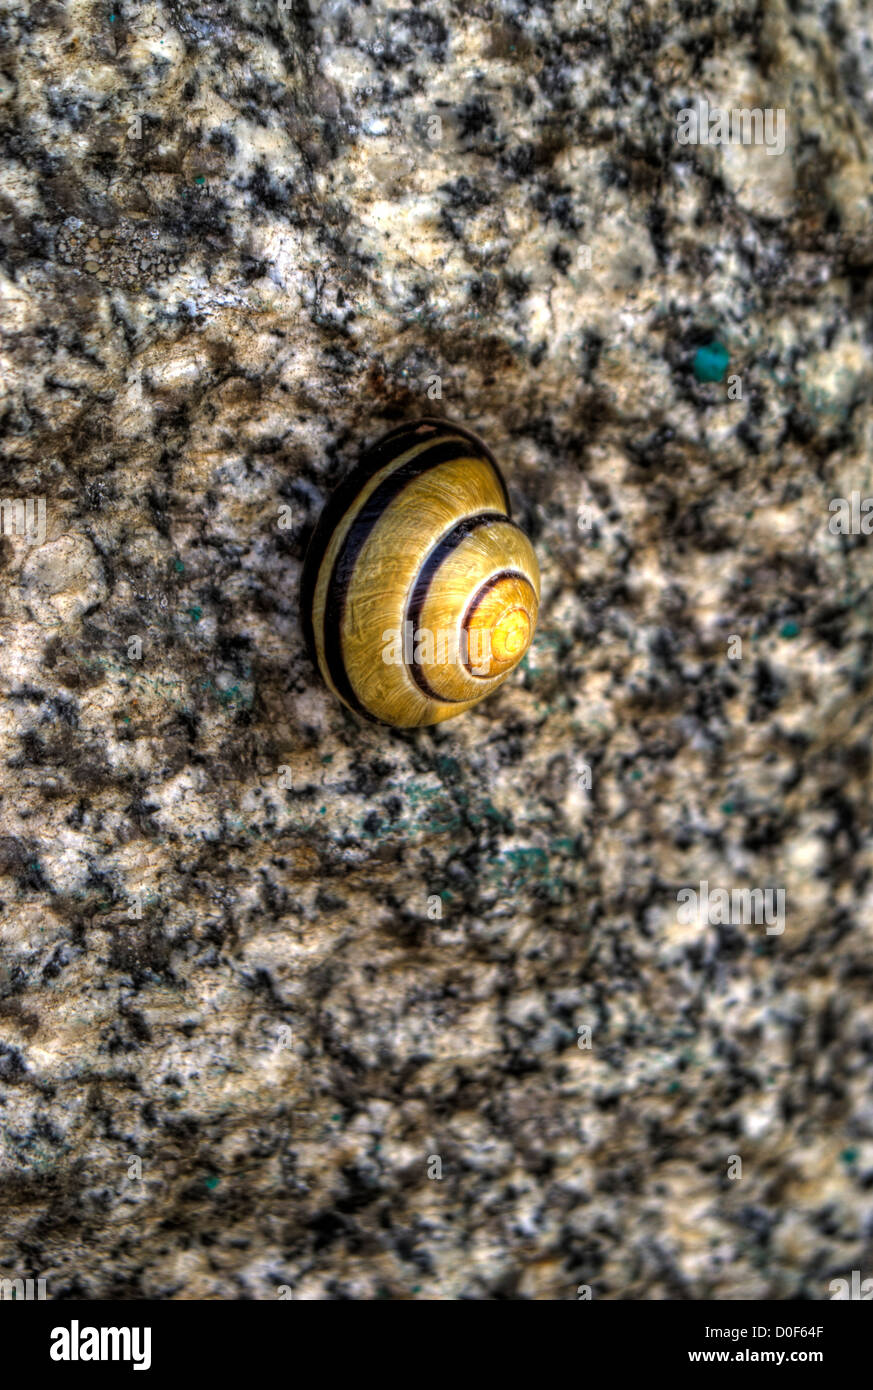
x: 419, y: 592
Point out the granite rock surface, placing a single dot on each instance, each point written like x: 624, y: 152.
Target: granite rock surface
x: 290, y: 1002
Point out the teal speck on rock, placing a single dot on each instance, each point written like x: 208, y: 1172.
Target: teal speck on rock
x: 710, y: 362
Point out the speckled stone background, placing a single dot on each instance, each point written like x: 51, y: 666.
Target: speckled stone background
x: 237, y: 245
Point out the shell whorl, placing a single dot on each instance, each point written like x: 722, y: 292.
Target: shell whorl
x: 419, y: 592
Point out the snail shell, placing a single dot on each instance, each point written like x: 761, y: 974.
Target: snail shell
x: 419, y: 592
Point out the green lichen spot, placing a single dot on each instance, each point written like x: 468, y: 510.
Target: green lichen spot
x: 789, y: 630
x: 710, y: 362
